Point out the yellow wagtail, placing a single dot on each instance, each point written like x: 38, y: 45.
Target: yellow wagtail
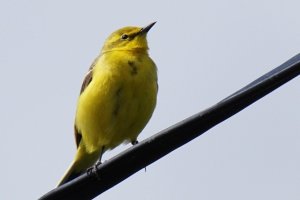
x: 117, y: 98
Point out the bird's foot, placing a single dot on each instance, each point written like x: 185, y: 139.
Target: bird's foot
x: 93, y: 171
x: 134, y: 142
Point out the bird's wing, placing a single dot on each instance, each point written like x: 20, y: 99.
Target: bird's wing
x: 87, y: 80
x: 88, y: 77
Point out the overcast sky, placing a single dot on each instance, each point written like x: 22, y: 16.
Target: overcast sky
x: 204, y: 50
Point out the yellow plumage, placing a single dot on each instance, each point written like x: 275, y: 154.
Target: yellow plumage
x: 117, y: 98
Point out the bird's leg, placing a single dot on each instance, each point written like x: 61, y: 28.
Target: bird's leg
x: 100, y: 157
x: 93, y: 171
x: 134, y: 142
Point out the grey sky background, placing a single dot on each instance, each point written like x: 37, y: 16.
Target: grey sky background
x: 204, y: 50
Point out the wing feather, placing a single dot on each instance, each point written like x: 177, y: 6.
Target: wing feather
x: 86, y: 81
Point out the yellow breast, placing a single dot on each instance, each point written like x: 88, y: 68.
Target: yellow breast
x: 119, y: 101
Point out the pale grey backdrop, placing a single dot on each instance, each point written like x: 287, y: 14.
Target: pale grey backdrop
x: 205, y: 50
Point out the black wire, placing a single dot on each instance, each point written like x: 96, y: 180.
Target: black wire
x: 148, y: 151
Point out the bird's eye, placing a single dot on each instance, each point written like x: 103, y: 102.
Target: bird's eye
x: 124, y: 37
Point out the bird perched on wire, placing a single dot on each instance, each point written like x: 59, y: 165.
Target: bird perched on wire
x: 117, y: 98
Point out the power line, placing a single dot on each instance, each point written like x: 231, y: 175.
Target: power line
x: 120, y: 167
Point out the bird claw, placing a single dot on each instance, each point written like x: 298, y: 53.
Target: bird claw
x: 89, y: 171
x: 93, y: 171
x: 134, y: 142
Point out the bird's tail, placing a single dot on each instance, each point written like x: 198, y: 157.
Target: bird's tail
x: 70, y: 174
x: 82, y: 161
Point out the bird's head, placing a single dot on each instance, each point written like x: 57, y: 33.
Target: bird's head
x: 128, y: 39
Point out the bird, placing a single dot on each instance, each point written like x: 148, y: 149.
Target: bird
x: 117, y: 98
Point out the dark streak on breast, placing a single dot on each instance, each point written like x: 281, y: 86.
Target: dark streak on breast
x: 117, y: 103
x: 133, y: 68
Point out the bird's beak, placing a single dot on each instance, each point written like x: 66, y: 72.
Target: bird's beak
x: 147, y: 28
